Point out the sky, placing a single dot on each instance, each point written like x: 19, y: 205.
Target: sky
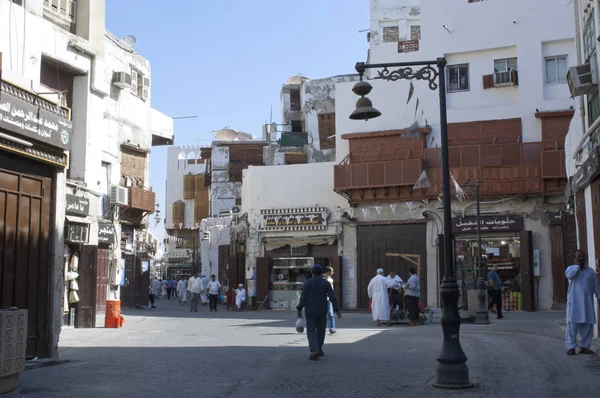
x: 225, y: 61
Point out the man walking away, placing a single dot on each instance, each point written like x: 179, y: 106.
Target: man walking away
x: 214, y: 288
x: 330, y: 317
x: 315, y: 295
x: 204, y: 296
x: 395, y: 283
x: 154, y: 291
x: 495, y: 290
x: 169, y: 289
x: 583, y: 285
x: 412, y: 292
x: 195, y: 287
x: 380, y: 302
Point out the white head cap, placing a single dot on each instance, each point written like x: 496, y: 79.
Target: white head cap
x: 380, y: 271
x: 241, y: 285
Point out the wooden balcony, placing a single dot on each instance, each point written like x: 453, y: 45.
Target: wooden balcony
x: 142, y: 199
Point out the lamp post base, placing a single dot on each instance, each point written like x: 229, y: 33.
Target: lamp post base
x: 452, y: 371
x: 482, y: 315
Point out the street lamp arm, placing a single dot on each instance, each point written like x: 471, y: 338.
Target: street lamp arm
x: 429, y: 71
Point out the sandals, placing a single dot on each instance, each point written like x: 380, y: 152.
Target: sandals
x: 571, y: 351
x: 585, y: 351
x: 314, y: 356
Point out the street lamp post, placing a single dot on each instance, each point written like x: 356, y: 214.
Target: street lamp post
x: 452, y: 371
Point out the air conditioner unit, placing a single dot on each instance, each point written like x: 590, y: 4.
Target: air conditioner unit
x: 205, y: 236
x: 582, y: 79
x: 76, y: 233
x: 122, y: 79
x: 235, y: 209
x: 118, y: 195
x: 505, y: 79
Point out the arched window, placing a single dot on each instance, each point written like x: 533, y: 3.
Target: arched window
x: 181, y: 159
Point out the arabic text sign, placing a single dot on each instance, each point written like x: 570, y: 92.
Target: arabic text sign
x: 292, y: 220
x: 408, y: 46
x: 77, y: 205
x: 34, y: 122
x: 488, y: 224
x: 106, y: 233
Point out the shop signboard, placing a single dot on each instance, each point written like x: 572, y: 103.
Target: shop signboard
x: 587, y: 171
x: 299, y: 219
x: 488, y: 224
x: 34, y: 121
x: 106, y: 233
x: 77, y: 205
x: 556, y: 218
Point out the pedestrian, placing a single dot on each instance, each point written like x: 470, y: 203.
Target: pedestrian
x: 380, y: 302
x: 412, y: 292
x: 581, y: 315
x: 330, y: 316
x: 316, y: 294
x: 163, y: 289
x: 183, y: 294
x: 495, y: 291
x: 240, y: 298
x: 195, y: 287
x: 169, y: 289
x: 154, y: 291
x: 395, y: 283
x: 204, y: 296
x: 214, y: 289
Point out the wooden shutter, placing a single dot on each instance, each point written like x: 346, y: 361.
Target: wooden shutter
x: 201, y: 200
x: 295, y: 158
x: 514, y: 77
x: 326, y: 130
x: 178, y: 213
x: 199, y: 183
x: 189, y: 191
x: 488, y: 81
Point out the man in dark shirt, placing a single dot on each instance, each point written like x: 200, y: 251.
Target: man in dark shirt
x: 314, y: 297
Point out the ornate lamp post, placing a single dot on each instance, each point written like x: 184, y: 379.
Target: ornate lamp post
x: 452, y: 371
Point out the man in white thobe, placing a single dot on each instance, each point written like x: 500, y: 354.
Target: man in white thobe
x: 581, y: 315
x: 195, y: 287
x: 378, y: 293
x: 240, y: 297
x: 204, y: 296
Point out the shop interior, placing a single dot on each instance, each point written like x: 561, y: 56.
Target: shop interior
x: 502, y: 251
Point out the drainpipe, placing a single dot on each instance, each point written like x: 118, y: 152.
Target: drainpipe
x: 94, y: 59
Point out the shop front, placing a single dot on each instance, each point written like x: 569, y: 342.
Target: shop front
x: 504, y: 245
x: 293, y: 241
x: 136, y: 287
x: 34, y: 137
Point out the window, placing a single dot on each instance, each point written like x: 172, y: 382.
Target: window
x: 104, y: 188
x: 391, y: 34
x: 593, y: 107
x: 327, y: 131
x: 296, y: 126
x: 295, y: 99
x: 556, y: 70
x: 415, y: 32
x: 458, y: 78
x: 140, y: 85
x: 505, y: 65
x: 589, y: 37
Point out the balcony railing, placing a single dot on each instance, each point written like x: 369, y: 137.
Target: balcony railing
x: 397, y: 173
x: 62, y: 13
x: 142, y: 199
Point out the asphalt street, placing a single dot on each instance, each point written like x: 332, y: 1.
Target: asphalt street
x: 171, y: 352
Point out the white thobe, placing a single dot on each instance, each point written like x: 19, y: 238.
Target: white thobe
x: 240, y: 296
x: 581, y: 315
x: 156, y: 286
x: 380, y: 305
x: 184, y: 291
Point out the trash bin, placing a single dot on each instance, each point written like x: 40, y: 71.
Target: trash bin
x: 113, y: 318
x: 13, y: 340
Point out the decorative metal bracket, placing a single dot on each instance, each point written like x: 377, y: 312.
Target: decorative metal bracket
x: 427, y: 73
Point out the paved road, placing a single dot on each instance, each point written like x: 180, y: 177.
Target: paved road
x: 170, y: 352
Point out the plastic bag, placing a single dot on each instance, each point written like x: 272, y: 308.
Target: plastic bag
x: 300, y: 325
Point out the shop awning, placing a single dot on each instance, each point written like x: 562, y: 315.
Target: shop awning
x: 79, y: 220
x: 272, y: 243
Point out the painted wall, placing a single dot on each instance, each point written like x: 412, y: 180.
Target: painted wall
x: 223, y: 192
x: 304, y: 185
x: 219, y: 231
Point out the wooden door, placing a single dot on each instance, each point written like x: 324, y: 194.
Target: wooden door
x: 373, y: 244
x: 129, y: 290
x: 103, y: 260
x: 526, y: 261
x: 25, y: 262
x: 262, y: 279
x: 223, y: 265
x: 595, y: 188
x: 85, y: 310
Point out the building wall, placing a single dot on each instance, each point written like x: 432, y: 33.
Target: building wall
x: 223, y: 192
x: 219, y: 230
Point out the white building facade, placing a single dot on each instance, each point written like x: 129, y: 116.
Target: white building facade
x: 508, y: 109
x: 582, y: 141
x: 99, y: 181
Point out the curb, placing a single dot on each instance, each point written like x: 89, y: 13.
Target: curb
x: 36, y: 364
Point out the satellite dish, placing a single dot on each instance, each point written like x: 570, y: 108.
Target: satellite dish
x: 227, y: 134
x: 130, y: 40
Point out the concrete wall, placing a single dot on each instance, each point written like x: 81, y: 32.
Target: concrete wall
x: 223, y: 192
x: 219, y: 230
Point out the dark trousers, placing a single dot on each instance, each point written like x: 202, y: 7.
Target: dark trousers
x: 395, y: 300
x: 412, y: 304
x: 151, y: 297
x: 496, y: 298
x: 212, y: 301
x: 315, y: 332
x: 169, y: 292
